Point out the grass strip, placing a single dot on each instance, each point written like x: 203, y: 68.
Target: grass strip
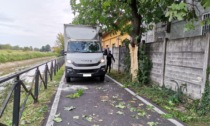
x: 18, y: 55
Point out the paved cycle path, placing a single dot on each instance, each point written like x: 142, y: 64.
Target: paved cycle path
x: 103, y: 104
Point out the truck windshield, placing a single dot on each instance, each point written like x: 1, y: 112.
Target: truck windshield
x: 84, y: 47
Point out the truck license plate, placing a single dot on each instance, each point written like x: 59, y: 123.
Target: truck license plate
x: 86, y: 75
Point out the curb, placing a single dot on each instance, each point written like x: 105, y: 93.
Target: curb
x: 54, y: 107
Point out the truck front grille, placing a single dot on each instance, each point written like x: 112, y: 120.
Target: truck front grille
x: 85, y: 65
x: 86, y: 71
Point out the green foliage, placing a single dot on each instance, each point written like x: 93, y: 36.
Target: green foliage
x: 190, y: 25
x: 205, y: 3
x: 145, y: 66
x: 78, y: 94
x: 178, y: 97
x: 177, y: 11
x: 125, y: 15
x: 17, y: 55
x: 204, y: 107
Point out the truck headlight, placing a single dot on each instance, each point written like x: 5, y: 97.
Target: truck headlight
x: 102, y: 61
x: 69, y: 61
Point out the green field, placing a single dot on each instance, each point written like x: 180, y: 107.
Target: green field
x: 17, y: 55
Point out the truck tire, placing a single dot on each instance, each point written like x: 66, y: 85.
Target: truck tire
x: 102, y: 78
x: 68, y: 79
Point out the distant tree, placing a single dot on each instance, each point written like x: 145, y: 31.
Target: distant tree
x: 16, y: 47
x: 5, y: 46
x: 42, y: 49
x: 26, y: 48
x: 36, y: 49
x: 47, y: 48
x: 31, y: 48
x: 59, y: 43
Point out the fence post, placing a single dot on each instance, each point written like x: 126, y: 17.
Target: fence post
x: 36, y: 89
x: 16, y: 103
x: 51, y: 70
x: 45, y: 73
x: 55, y: 68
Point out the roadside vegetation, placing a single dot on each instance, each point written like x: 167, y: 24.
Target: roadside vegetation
x: 34, y: 114
x: 17, y: 55
x: 173, y: 102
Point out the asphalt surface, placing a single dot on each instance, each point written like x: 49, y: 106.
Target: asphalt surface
x: 104, y: 104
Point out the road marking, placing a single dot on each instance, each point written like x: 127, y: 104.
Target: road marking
x: 146, y: 102
x: 53, y: 110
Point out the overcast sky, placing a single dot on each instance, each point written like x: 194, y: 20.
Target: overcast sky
x: 33, y: 22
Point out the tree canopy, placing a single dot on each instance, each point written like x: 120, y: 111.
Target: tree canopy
x: 112, y: 15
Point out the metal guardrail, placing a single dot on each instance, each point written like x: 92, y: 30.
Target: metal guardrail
x: 37, y: 82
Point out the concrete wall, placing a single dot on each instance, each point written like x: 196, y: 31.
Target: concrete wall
x: 183, y: 60
x: 119, y: 55
x: 155, y: 51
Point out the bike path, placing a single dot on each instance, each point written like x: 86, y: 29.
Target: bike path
x: 104, y: 104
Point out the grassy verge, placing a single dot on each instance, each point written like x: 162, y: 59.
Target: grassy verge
x: 34, y: 114
x: 17, y: 55
x: 185, y: 111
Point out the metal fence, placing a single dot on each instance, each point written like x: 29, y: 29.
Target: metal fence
x: 38, y: 80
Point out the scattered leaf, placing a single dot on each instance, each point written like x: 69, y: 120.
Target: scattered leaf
x: 141, y: 113
x: 152, y: 123
x: 104, y: 98
x: 75, y: 117
x: 57, y: 119
x: 132, y: 109
x: 89, y: 119
x: 57, y: 115
x: 141, y: 104
x: 120, y: 105
x: 149, y: 107
x: 78, y: 94
x: 69, y: 108
x: 120, y: 113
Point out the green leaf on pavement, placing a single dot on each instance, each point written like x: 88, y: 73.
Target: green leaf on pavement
x: 120, y: 113
x: 57, y: 119
x: 89, y: 119
x: 120, y: 105
x: 57, y: 115
x: 141, y: 113
x: 132, y: 109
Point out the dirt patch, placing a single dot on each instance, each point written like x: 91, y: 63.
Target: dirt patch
x: 9, y: 67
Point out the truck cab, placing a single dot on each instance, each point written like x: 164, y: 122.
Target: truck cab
x: 84, y: 55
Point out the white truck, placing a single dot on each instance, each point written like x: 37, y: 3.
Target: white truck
x: 84, y: 55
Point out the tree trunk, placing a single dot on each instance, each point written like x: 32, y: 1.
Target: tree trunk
x: 136, y: 38
x: 136, y: 23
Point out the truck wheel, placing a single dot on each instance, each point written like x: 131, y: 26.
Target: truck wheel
x: 102, y: 78
x: 68, y: 79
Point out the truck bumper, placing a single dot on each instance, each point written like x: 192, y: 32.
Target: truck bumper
x: 78, y: 73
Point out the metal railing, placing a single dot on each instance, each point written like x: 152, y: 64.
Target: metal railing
x: 34, y: 88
